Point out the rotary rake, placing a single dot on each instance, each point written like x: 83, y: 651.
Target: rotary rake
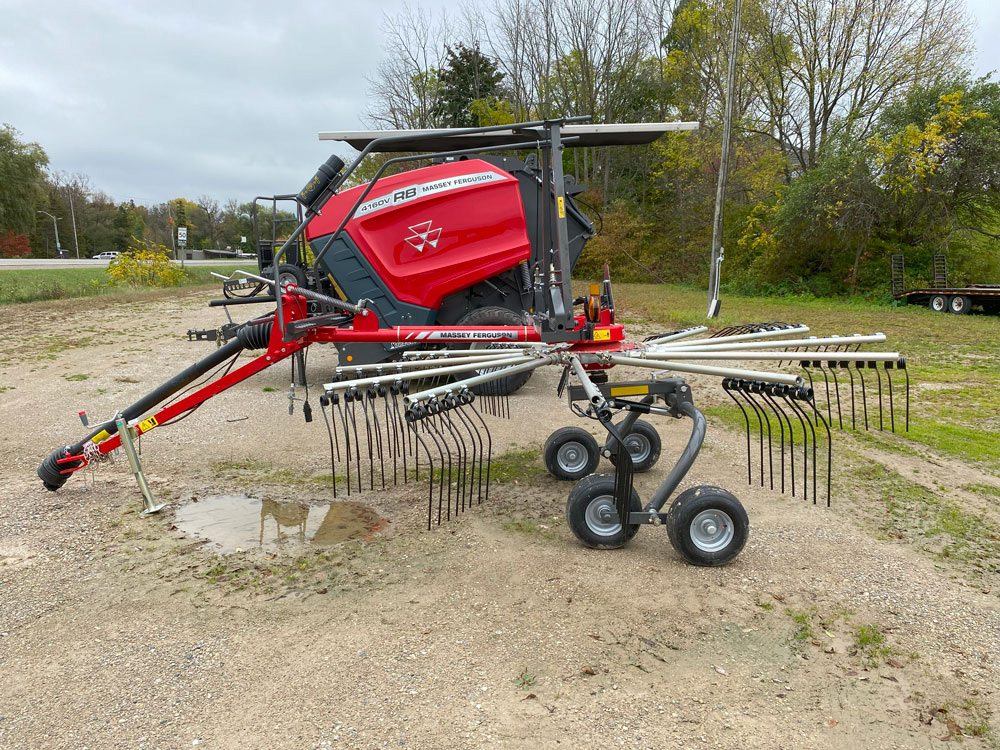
x: 425, y: 415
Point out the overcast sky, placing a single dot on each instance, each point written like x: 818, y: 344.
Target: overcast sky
x: 219, y: 98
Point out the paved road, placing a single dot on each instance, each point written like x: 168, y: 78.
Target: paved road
x: 6, y: 263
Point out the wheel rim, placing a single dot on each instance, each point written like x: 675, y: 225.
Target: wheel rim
x: 602, y: 516
x: 284, y: 279
x: 957, y: 304
x: 572, y: 457
x: 937, y: 303
x: 712, y: 530
x: 638, y: 447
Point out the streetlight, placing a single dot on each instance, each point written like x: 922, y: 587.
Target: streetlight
x: 56, y: 227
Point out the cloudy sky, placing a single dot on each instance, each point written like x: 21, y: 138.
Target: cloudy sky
x: 218, y: 97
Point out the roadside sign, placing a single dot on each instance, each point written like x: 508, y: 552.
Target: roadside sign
x: 182, y: 236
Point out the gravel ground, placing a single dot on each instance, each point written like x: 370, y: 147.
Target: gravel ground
x: 496, y: 629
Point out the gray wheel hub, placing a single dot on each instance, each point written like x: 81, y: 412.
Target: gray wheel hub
x: 602, y: 516
x: 638, y: 447
x: 712, y: 530
x: 572, y: 456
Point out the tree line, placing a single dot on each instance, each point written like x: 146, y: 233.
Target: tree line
x: 859, y: 129
x: 30, y: 195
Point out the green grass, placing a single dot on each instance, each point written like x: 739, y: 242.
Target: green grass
x: 940, y: 526
x: 871, y: 645
x: 34, y: 284
x: 517, y: 464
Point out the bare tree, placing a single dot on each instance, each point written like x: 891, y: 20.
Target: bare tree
x: 404, y: 88
x: 830, y: 66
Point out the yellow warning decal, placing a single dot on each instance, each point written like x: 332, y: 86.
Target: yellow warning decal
x: 602, y: 334
x: 100, y: 436
x: 147, y: 424
x: 562, y: 207
x: 630, y: 390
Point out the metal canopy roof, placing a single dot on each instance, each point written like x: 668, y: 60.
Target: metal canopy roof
x: 625, y: 134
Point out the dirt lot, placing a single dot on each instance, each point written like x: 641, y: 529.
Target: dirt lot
x: 851, y: 626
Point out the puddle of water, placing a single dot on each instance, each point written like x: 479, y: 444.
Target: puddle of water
x: 231, y: 522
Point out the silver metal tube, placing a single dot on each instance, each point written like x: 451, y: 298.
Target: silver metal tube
x: 448, y: 353
x: 743, y: 337
x: 875, y: 338
x: 722, y: 372
x: 501, y: 372
x: 387, y: 368
x: 595, y: 396
x: 434, y: 372
x: 679, y: 335
x: 792, y: 356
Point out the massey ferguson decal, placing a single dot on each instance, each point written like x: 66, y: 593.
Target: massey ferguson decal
x: 412, y: 192
x: 507, y: 335
x: 423, y: 235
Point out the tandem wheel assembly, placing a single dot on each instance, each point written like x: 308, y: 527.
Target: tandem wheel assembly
x: 706, y: 525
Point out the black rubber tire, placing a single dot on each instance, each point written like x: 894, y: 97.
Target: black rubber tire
x: 598, y: 488
x: 688, y: 506
x: 649, y: 439
x: 573, y: 440
x: 938, y: 303
x: 960, y: 304
x: 494, y: 316
x: 288, y: 273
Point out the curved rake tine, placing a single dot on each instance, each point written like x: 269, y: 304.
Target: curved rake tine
x: 864, y: 391
x: 757, y: 388
x: 808, y: 373
x: 906, y: 373
x: 836, y: 390
x: 826, y: 380
x: 778, y: 390
x: 805, y: 444
x: 462, y: 451
x: 744, y: 386
x: 892, y: 411
x: 874, y: 366
x: 726, y: 384
x: 347, y: 446
x: 329, y: 433
x: 473, y: 434
x: 403, y: 443
x: 393, y: 447
x: 354, y: 428
x: 432, y: 427
x: 766, y: 393
x: 372, y: 395
x: 371, y: 454
x: 430, y: 471
x: 850, y: 372
x: 829, y: 460
x: 489, y: 449
x: 805, y: 447
x: 418, y: 441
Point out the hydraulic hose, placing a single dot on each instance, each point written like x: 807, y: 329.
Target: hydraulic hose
x: 247, y: 337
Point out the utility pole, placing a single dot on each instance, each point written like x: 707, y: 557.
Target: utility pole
x: 56, y: 227
x: 72, y: 216
x: 718, y: 252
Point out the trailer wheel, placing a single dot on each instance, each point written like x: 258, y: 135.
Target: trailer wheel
x: 643, y: 443
x: 707, y: 526
x: 495, y: 316
x: 938, y: 303
x: 571, y: 453
x: 591, y: 513
x: 960, y: 304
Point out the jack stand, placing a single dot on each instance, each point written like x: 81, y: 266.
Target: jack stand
x: 125, y: 432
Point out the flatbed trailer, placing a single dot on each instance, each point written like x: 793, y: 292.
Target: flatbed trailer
x: 943, y: 298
